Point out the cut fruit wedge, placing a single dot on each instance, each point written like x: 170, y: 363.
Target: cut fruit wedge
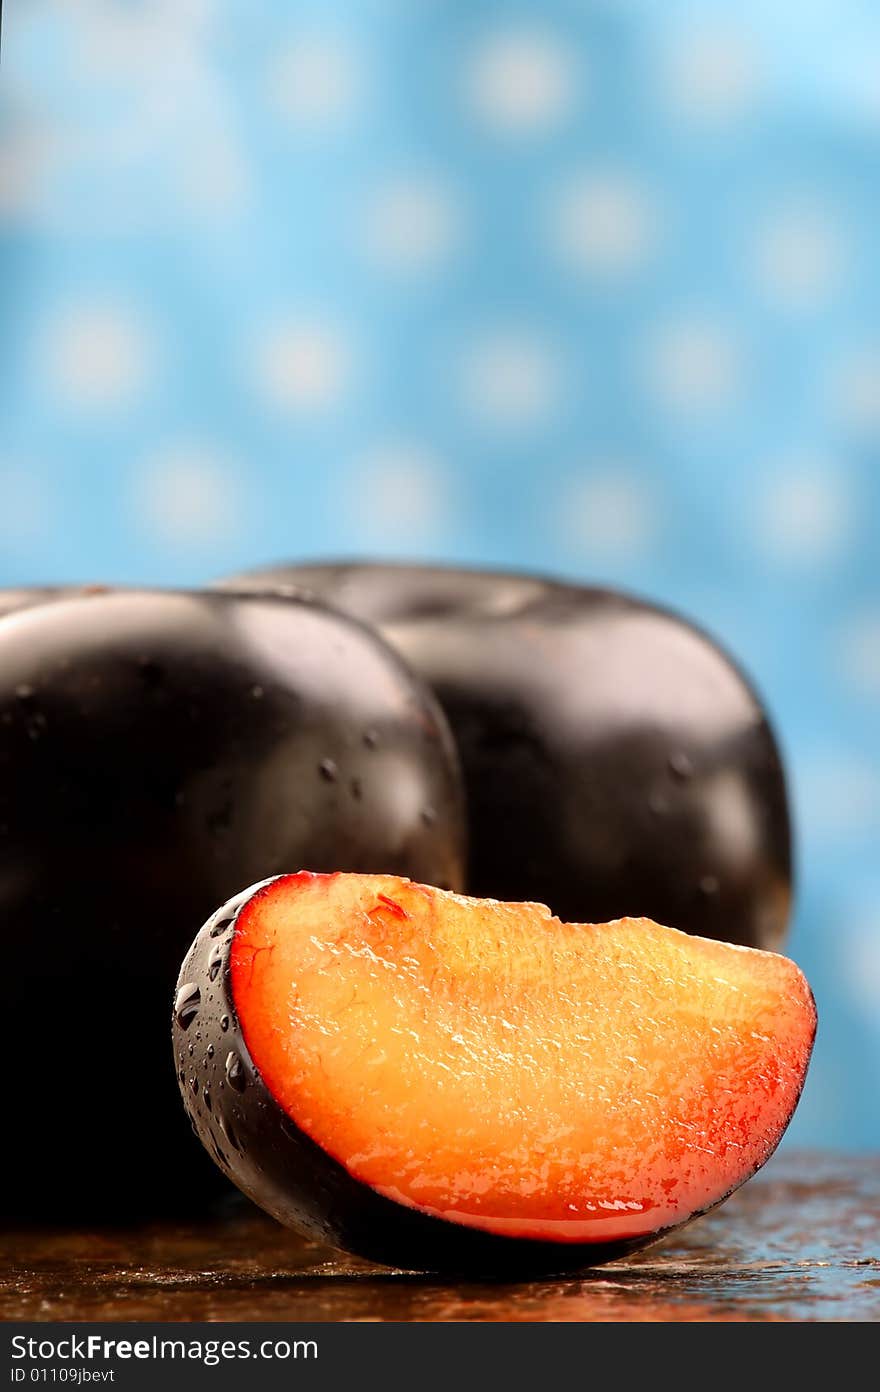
x: 432, y: 1080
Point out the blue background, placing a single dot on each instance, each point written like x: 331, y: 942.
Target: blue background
x: 586, y: 287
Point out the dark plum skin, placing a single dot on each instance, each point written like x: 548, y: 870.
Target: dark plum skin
x: 263, y: 1151
x: 28, y: 597
x: 616, y: 761
x: 158, y: 750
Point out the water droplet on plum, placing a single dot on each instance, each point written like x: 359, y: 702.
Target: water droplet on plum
x: 186, y: 1004
x: 681, y: 766
x: 235, y: 1074
x: 229, y: 1132
x: 220, y: 924
x: 215, y: 961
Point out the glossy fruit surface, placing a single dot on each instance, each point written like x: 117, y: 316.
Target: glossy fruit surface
x: 616, y: 760
x: 158, y: 749
x: 29, y: 596
x: 444, y: 1083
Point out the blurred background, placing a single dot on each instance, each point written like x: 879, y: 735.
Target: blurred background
x: 587, y: 286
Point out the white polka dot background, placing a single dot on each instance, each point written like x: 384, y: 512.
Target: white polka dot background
x: 714, y: 70
x: 603, y: 223
x: 798, y: 255
x: 806, y: 513
x: 694, y: 365
x: 587, y: 288
x: 520, y: 82
x: 313, y: 82
x: 608, y: 511
x: 411, y: 225
x: 399, y: 493
x: 300, y: 366
x: 187, y: 495
x: 95, y: 357
x: 510, y: 377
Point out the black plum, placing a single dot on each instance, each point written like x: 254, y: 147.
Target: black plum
x: 158, y: 749
x: 617, y: 761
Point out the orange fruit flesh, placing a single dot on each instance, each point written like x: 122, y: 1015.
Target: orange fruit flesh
x: 490, y: 1065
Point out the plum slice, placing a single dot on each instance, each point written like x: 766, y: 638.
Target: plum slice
x: 440, y: 1082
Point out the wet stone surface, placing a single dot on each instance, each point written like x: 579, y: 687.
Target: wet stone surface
x: 800, y: 1242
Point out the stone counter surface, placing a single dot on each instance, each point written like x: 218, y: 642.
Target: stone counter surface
x: 799, y: 1242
